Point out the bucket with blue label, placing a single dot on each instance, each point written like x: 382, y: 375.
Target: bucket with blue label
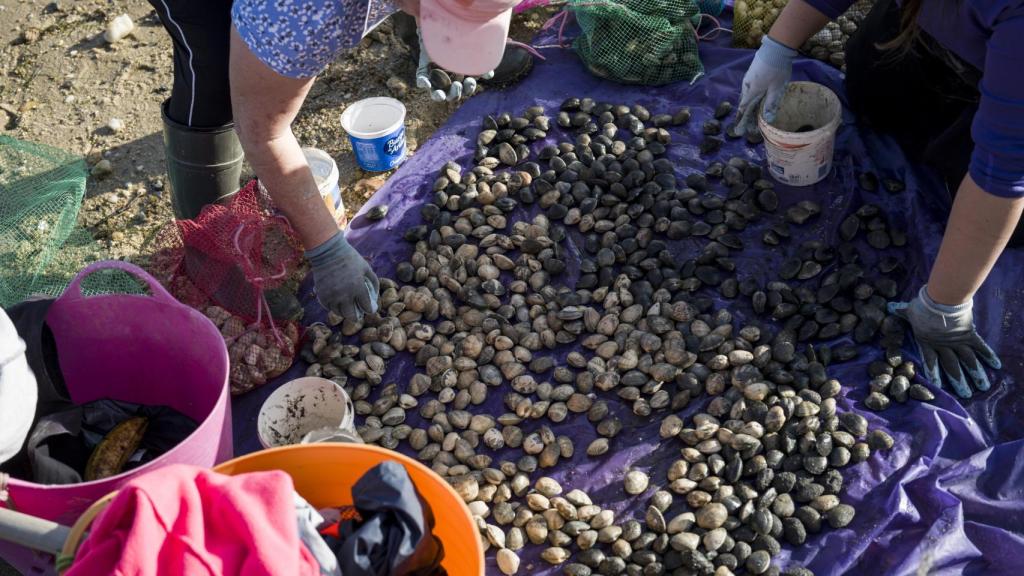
x: 376, y: 128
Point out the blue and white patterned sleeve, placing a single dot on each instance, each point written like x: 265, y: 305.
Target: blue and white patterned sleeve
x: 299, y: 38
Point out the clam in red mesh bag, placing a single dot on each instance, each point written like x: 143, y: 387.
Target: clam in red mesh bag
x: 222, y: 263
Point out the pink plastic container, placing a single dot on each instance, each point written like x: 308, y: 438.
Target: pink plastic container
x: 148, y: 349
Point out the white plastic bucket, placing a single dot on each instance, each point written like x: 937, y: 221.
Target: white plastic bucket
x: 325, y: 173
x: 800, y: 143
x: 376, y: 128
x: 302, y: 406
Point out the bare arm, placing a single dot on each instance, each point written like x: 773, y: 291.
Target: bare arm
x: 264, y: 104
x: 979, y: 227
x: 797, y: 23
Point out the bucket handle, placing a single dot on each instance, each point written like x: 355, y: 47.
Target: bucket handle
x: 74, y: 290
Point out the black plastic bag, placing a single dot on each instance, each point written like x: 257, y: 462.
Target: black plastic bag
x: 395, y: 534
x: 60, y: 444
x: 29, y: 318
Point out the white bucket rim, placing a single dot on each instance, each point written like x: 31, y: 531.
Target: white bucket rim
x: 767, y: 130
x: 348, y: 117
x: 317, y: 155
x: 345, y: 418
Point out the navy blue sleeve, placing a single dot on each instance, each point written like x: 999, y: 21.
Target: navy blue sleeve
x: 997, y: 164
x: 831, y: 8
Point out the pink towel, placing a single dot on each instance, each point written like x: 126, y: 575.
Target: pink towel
x: 187, y: 520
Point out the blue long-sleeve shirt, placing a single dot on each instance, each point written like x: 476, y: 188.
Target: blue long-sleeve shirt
x: 990, y: 35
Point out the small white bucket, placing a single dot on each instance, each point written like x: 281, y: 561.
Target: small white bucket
x: 325, y: 173
x: 302, y: 406
x: 800, y: 143
x: 376, y: 128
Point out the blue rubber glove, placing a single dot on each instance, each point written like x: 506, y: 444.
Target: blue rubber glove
x: 766, y: 80
x: 948, y: 342
x: 345, y: 283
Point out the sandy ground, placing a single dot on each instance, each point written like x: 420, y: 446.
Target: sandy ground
x: 61, y: 84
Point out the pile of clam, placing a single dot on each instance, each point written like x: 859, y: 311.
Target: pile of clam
x: 257, y: 354
x: 591, y: 250
x: 829, y: 45
x: 752, y: 19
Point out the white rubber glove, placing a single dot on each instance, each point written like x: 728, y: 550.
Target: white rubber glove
x: 766, y: 80
x: 458, y: 89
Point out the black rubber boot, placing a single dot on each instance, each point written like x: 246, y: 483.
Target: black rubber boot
x: 515, y: 64
x: 203, y: 165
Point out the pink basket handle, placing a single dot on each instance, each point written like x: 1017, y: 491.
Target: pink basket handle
x: 74, y: 291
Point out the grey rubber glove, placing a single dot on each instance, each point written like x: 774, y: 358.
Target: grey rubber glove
x: 439, y: 83
x: 766, y: 80
x: 345, y: 283
x: 948, y: 342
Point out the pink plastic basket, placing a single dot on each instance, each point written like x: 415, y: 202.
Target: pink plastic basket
x: 148, y: 349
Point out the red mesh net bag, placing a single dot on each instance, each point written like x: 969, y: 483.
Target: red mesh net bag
x: 223, y: 263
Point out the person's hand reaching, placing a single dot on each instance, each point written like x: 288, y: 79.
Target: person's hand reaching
x: 765, y: 80
x: 345, y: 283
x: 949, y: 344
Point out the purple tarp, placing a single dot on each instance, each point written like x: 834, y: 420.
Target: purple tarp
x: 947, y: 499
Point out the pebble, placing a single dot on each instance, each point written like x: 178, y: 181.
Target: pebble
x: 854, y: 423
x: 711, y: 515
x: 508, y: 561
x: 893, y: 186
x: 466, y: 486
x: 877, y: 401
x: 793, y: 531
x: 30, y: 35
x: 598, y: 447
x: 548, y: 487
x: 397, y: 86
x: 555, y: 555
x: 636, y: 482
x: 378, y: 212
x: 880, y: 440
x: 119, y: 28
x: 685, y: 541
x: 102, y: 169
x: 115, y: 125
x: 840, y: 516
x: 758, y: 561
x: 868, y: 181
x: 921, y: 393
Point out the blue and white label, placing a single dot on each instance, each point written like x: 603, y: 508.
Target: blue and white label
x: 380, y: 154
x: 365, y: 152
x: 396, y: 145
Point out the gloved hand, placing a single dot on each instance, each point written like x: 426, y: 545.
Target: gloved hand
x: 345, y: 283
x: 439, y: 83
x: 948, y: 341
x: 765, y: 79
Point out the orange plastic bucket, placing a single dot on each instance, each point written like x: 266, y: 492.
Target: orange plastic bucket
x: 322, y: 473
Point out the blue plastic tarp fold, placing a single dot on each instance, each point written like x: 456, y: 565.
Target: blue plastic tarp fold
x: 947, y: 499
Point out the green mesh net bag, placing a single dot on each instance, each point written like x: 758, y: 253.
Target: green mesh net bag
x: 648, y: 42
x: 41, y: 245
